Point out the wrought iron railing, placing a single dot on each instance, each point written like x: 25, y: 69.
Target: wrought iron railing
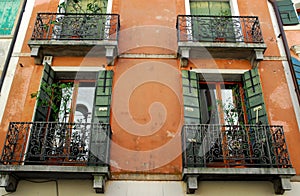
x: 198, y: 28
x: 59, y: 26
x: 233, y: 146
x: 52, y: 143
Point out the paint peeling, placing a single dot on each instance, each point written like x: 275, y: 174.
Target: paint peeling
x: 114, y: 163
x: 277, y: 98
x: 282, y: 123
x: 170, y: 134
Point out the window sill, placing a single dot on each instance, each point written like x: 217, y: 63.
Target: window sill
x: 292, y: 27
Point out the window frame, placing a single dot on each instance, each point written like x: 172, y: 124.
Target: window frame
x: 233, y: 6
x: 74, y: 98
x: 219, y: 85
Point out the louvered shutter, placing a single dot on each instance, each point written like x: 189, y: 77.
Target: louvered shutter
x: 100, y: 132
x: 296, y: 65
x: 101, y: 113
x: 287, y: 12
x: 190, y: 88
x: 42, y: 112
x: 36, y: 145
x: 254, y: 97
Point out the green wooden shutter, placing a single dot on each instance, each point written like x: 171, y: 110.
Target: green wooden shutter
x: 296, y: 65
x: 254, y: 97
x: 41, y: 112
x: 100, y: 133
x: 287, y: 12
x: 101, y: 113
x: 38, y: 131
x: 191, y: 105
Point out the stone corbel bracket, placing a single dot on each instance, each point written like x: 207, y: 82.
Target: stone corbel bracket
x: 99, y: 183
x: 296, y: 49
x: 9, y: 182
x: 184, y: 56
x: 111, y: 54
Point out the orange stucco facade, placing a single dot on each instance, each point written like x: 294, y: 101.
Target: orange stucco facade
x: 147, y: 138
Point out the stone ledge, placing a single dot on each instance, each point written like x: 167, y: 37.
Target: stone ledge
x: 146, y: 177
x: 280, y: 177
x: 11, y: 174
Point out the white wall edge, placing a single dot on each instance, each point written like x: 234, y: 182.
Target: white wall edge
x: 14, y: 60
x: 287, y: 70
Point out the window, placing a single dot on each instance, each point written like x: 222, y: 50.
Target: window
x: 287, y: 12
x: 218, y: 27
x: 71, y: 120
x: 87, y: 6
x: 63, y: 96
x: 8, y: 13
x: 219, y: 114
x: 85, y: 21
x: 221, y: 103
x: 214, y: 8
x: 223, y: 100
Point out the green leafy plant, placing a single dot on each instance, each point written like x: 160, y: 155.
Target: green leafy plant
x: 57, y: 97
x: 77, y: 6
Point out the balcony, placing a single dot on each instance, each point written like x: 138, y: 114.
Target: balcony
x: 58, y: 34
x: 237, y: 152
x: 55, y: 150
x: 238, y: 37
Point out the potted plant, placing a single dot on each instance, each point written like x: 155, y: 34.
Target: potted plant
x: 222, y: 25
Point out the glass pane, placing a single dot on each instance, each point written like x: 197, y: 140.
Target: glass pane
x: 210, y: 8
x: 65, y: 103
x: 87, y: 6
x: 84, y: 102
x: 231, y: 104
x: 199, y: 8
x: 208, y: 104
x: 219, y: 8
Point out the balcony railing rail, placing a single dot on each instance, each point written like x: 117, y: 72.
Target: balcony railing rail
x: 71, y: 26
x: 53, y: 143
x: 255, y: 146
x: 232, y: 29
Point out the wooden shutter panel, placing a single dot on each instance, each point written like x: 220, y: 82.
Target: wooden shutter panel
x: 41, y: 112
x: 254, y: 97
x: 190, y: 88
x: 296, y: 65
x: 36, y: 145
x: 101, y: 113
x: 287, y: 12
x: 100, y: 133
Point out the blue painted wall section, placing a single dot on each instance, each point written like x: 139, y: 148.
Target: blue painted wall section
x: 8, y: 13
